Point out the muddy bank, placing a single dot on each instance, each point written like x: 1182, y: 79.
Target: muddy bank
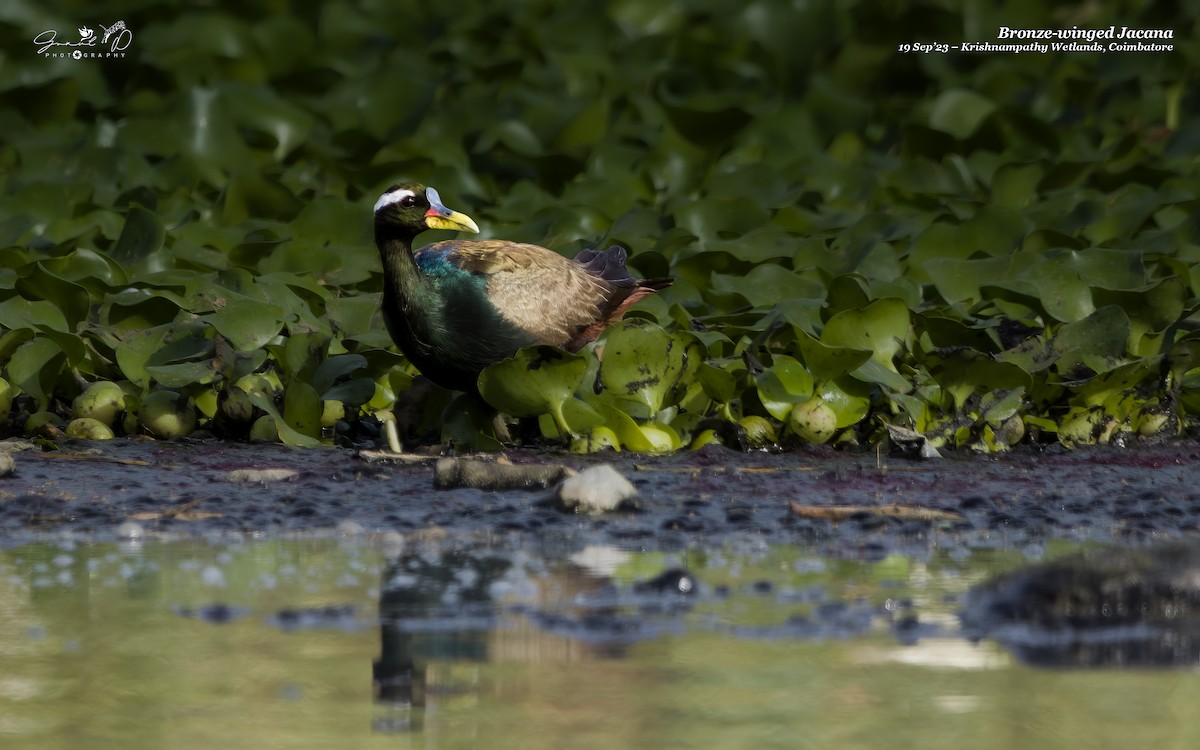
x: 1126, y: 495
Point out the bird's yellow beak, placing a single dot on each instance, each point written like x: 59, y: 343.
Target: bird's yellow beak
x: 440, y: 217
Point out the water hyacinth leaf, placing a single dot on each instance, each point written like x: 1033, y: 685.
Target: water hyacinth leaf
x: 253, y: 195
x: 849, y: 399
x: 630, y: 433
x: 1124, y: 379
x: 72, y: 346
x: 1000, y: 405
x: 536, y: 380
x: 338, y: 366
x: 960, y: 280
x: 261, y: 109
x: 302, y: 409
x: 1125, y: 211
x: 142, y: 236
x: 785, y: 383
x: 355, y: 392
x: 1059, y: 288
x: 644, y: 363
x: 10, y: 340
x: 183, y: 343
x: 1151, y: 311
x: 135, y: 350
x: 466, y: 425
x: 874, y: 371
x: 38, y: 283
x: 1015, y: 186
x: 35, y: 367
x: 18, y: 312
x: 947, y: 331
x: 579, y: 414
x: 181, y: 374
x: 713, y: 219
x: 768, y: 284
x: 959, y: 112
x: 963, y: 372
x: 1098, y: 341
x: 662, y: 437
x: 285, y: 431
x: 719, y: 384
x: 846, y: 292
x: 826, y: 362
x: 1108, y: 268
x: 1184, y: 356
x: 246, y: 323
x: 96, y: 272
x: 881, y: 327
x: 134, y: 309
x: 352, y: 316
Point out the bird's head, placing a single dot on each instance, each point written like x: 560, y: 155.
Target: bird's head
x: 412, y: 208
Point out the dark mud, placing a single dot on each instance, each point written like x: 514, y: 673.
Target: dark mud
x: 1129, y: 496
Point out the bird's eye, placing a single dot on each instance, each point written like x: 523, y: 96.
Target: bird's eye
x: 408, y: 201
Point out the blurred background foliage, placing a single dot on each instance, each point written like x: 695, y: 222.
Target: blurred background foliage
x: 986, y: 247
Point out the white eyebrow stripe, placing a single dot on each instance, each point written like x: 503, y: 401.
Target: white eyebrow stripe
x: 394, y: 196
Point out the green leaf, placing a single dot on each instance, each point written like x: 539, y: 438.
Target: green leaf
x: 354, y: 392
x: 881, y: 327
x: 959, y: 112
x: 630, y: 433
x: 826, y: 362
x: 1098, y: 341
x: 536, y: 380
x: 768, y: 284
x: 719, y: 384
x: 287, y: 433
x: 646, y: 364
x: 784, y: 384
x: 849, y: 399
x: 181, y: 374
x: 34, y: 368
x: 302, y: 410
x: 142, y: 236
x: 335, y: 367
x: 964, y: 372
x: 72, y: 299
x: 134, y: 352
x: 247, y: 324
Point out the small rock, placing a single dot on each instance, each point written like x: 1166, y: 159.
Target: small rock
x: 599, y: 489
x: 8, y: 466
x: 261, y: 475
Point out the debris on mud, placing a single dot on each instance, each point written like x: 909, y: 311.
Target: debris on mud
x: 450, y: 473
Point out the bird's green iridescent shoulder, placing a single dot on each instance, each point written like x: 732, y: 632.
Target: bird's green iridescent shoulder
x: 437, y: 260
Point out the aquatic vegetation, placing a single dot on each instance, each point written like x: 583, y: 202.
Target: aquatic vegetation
x: 986, y: 248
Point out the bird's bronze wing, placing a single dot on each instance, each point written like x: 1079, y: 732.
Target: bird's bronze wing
x: 542, y: 292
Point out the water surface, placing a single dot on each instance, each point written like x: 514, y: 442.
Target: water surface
x: 354, y: 643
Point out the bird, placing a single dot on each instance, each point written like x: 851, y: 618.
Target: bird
x: 454, y: 307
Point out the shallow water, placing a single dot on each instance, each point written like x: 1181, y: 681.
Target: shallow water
x: 354, y: 643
